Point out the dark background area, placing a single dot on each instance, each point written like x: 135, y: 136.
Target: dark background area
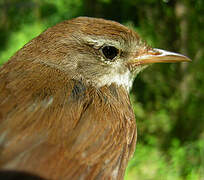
x: 168, y: 99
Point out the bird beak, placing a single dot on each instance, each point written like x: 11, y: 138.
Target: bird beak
x: 158, y: 56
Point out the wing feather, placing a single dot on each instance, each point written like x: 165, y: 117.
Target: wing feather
x: 54, y: 126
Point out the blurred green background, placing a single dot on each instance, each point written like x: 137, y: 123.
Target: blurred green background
x: 168, y: 99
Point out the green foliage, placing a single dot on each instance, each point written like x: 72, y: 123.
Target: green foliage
x: 24, y: 20
x: 179, y: 163
x: 167, y: 99
x: 19, y: 38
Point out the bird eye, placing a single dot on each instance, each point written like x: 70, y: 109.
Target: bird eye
x: 110, y: 52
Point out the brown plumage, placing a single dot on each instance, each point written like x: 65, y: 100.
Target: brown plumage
x: 65, y: 111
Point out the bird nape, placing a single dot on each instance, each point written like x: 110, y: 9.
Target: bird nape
x: 65, y: 111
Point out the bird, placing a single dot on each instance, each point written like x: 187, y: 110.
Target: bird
x: 65, y: 110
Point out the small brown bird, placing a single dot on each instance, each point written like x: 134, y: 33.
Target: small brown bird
x: 65, y: 111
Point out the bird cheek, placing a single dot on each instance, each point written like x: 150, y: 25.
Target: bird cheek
x: 135, y: 68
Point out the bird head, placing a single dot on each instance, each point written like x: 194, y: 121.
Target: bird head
x: 97, y: 51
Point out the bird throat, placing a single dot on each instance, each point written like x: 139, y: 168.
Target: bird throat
x: 124, y: 79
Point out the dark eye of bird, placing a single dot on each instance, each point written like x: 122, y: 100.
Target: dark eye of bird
x: 110, y: 52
